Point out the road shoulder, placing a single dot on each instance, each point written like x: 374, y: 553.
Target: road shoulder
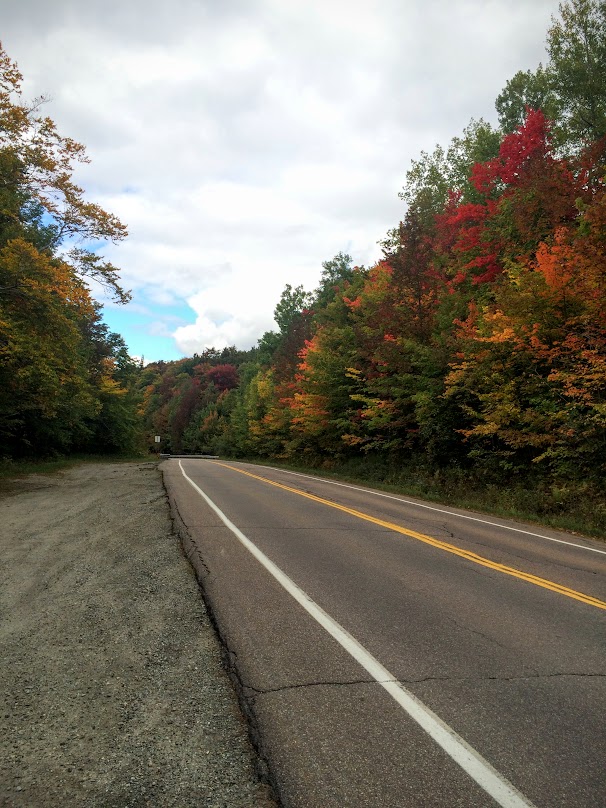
x: 113, y: 687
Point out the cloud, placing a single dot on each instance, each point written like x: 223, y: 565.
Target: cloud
x: 227, y: 317
x: 245, y: 142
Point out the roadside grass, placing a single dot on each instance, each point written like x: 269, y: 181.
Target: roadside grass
x: 575, y: 507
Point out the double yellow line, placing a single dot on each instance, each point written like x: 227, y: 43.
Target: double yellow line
x: 441, y: 545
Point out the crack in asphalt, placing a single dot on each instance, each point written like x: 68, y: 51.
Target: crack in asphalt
x: 264, y: 691
x: 479, y: 633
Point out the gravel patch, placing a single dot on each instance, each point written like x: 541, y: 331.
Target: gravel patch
x: 112, y: 691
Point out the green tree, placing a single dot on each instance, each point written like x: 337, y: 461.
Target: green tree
x: 526, y: 90
x: 336, y: 274
x: 433, y: 176
x: 571, y: 88
x: 292, y: 303
x: 577, y: 64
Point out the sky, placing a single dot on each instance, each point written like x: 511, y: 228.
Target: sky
x: 244, y: 142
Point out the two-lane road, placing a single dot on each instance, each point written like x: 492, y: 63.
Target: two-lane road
x: 398, y: 653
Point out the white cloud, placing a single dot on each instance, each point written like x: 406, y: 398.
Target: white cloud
x: 230, y: 316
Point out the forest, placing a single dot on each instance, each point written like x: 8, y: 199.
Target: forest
x: 473, y: 353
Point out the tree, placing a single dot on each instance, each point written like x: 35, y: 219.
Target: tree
x: 321, y: 407
x: 46, y: 394
x: 524, y: 192
x: 577, y: 51
x: 224, y: 377
x: 526, y: 90
x: 336, y: 274
x: 65, y: 382
x: 292, y: 303
x: 37, y: 166
x: 571, y: 89
x: 433, y: 176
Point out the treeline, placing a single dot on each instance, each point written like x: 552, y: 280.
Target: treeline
x: 477, y: 342
x: 476, y: 345
x: 66, y: 382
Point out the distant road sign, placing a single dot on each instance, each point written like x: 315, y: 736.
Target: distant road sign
x: 157, y: 439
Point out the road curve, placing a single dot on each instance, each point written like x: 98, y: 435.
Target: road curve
x: 468, y: 662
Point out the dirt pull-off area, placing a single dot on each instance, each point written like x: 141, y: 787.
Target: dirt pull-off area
x: 112, y: 688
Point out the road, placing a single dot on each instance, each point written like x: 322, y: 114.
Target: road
x: 395, y: 653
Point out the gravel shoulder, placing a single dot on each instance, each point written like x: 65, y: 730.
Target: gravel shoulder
x: 112, y: 689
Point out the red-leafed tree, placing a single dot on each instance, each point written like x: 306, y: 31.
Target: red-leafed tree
x: 224, y: 377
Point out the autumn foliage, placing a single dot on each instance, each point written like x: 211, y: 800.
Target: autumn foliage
x: 66, y: 382
x: 476, y: 344
x: 478, y: 341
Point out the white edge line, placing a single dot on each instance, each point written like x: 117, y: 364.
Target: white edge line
x: 479, y: 769
x: 438, y: 510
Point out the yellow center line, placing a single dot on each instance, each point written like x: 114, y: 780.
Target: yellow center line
x: 441, y: 545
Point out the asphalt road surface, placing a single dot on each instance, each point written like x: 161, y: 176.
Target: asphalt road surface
x: 394, y: 653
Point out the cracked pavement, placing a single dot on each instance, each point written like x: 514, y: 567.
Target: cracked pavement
x: 516, y: 670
